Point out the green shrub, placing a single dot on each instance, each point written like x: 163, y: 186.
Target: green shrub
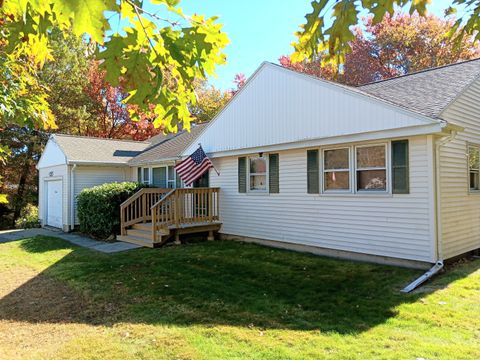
x: 99, y: 208
x: 28, y: 218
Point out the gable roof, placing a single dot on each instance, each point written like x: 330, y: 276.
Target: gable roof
x: 428, y: 92
x: 168, y: 147
x: 281, y: 106
x: 82, y: 149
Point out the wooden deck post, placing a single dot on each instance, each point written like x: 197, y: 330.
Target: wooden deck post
x: 210, y: 236
x: 177, y: 238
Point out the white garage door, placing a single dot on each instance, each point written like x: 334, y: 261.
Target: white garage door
x: 54, y: 203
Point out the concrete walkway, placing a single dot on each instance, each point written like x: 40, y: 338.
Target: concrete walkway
x: 109, y: 248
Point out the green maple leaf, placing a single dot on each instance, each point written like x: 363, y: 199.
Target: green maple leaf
x: 88, y: 16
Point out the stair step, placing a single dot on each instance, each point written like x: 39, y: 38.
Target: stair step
x: 148, y: 227
x: 135, y: 240
x: 143, y: 226
x: 144, y: 234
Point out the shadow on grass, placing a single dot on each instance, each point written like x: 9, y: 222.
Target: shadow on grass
x: 32, y: 245
x: 224, y: 283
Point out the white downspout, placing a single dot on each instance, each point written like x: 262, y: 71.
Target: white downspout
x: 72, y: 196
x: 438, y: 219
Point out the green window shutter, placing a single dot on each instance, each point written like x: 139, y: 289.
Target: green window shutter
x: 273, y: 174
x: 139, y: 174
x: 242, y: 174
x: 400, y: 167
x: 313, y: 183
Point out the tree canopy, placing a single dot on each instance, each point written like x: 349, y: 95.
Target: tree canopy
x: 154, y: 56
x: 397, y: 45
x: 332, y: 40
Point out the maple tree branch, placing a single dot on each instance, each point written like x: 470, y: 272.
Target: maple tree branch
x: 135, y: 7
x: 139, y: 9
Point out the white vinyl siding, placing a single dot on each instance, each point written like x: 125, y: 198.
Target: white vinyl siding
x: 398, y: 226
x: 89, y: 176
x: 460, y: 208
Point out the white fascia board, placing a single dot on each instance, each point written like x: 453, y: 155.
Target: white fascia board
x: 434, y: 128
x: 156, y: 162
x: 96, y: 163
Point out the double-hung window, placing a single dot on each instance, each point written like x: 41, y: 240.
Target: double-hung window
x: 257, y: 166
x: 371, y: 168
x: 474, y: 167
x: 336, y: 169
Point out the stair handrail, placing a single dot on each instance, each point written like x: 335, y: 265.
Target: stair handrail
x: 132, y: 198
x: 141, y: 212
x: 163, y: 199
x: 155, y: 224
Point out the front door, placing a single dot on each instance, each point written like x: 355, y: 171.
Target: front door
x: 54, y: 203
x: 202, y: 181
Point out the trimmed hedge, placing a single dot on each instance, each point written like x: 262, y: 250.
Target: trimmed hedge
x: 99, y: 208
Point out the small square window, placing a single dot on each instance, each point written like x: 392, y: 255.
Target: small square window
x: 258, y: 173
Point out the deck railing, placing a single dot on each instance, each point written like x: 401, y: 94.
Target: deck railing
x: 137, y: 208
x: 182, y: 207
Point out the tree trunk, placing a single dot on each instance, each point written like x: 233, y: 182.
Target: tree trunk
x: 19, y: 201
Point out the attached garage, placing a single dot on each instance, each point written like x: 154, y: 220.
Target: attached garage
x: 70, y: 164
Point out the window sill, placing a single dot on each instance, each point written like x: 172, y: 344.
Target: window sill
x: 257, y: 193
x: 357, y: 195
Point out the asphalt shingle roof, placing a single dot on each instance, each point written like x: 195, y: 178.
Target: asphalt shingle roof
x: 168, y: 148
x: 90, y: 149
x: 427, y: 92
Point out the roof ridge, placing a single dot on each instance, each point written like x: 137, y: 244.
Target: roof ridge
x: 419, y: 72
x: 97, y: 138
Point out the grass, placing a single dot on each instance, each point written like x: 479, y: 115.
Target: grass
x: 226, y: 300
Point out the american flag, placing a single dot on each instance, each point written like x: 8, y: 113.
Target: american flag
x: 194, y: 166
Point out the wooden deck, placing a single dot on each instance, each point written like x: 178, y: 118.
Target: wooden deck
x: 152, y: 216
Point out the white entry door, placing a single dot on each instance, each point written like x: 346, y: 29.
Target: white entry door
x: 54, y: 203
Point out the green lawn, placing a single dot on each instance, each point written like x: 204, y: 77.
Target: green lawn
x: 223, y: 300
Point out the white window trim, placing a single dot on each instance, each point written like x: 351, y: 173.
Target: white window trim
x: 386, y: 168
x: 323, y: 171
x: 149, y: 182
x: 267, y: 187
x: 470, y: 190
x: 353, y: 171
x: 150, y: 175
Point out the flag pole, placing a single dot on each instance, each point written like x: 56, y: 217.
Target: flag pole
x: 214, y: 168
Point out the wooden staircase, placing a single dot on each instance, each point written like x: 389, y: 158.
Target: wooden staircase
x: 152, y: 217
